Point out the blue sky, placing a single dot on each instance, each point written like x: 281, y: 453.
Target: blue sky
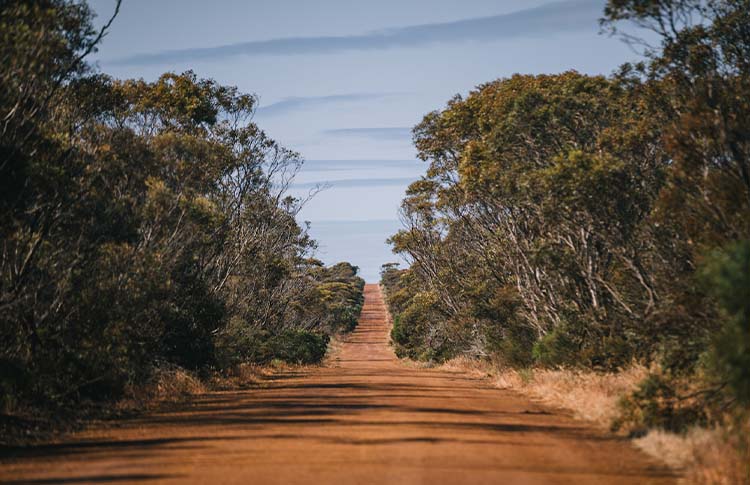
x: 343, y: 81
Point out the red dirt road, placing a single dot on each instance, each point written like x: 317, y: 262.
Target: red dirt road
x: 366, y: 418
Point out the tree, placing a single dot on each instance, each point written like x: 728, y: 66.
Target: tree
x: 145, y: 224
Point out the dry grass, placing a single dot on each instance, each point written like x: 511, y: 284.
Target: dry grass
x: 719, y: 456
x: 592, y: 396
x: 242, y: 376
x: 333, y: 353
x: 167, y: 385
x: 176, y: 385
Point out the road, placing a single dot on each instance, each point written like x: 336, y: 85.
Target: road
x: 364, y: 418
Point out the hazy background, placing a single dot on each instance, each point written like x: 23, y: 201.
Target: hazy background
x: 343, y: 81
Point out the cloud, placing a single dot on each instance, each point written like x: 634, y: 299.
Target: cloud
x: 353, y: 183
x: 564, y: 16
x: 382, y: 134
x: 411, y: 165
x: 295, y: 103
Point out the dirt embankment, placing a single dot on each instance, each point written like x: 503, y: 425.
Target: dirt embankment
x: 365, y: 418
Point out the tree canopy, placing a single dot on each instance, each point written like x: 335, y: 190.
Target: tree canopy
x: 582, y: 220
x: 143, y: 224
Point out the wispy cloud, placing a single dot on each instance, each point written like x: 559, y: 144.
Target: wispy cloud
x: 394, y: 133
x: 564, y: 16
x: 352, y: 183
x: 411, y: 166
x: 296, y: 103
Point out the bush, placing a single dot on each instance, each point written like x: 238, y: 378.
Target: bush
x: 511, y: 346
x: 299, y: 346
x: 414, y: 334
x: 658, y: 403
x: 127, y: 247
x: 555, y: 349
x: 727, y: 275
x: 400, y: 337
x: 238, y: 345
x: 335, y: 300
x: 344, y: 318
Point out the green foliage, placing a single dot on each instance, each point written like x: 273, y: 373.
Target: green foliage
x: 329, y: 303
x: 657, y: 404
x: 414, y: 334
x: 511, y: 346
x: 142, y: 224
x: 410, y: 328
x: 727, y: 273
x: 555, y: 349
x: 299, y: 346
x: 564, y: 219
x: 514, y: 225
x: 263, y: 347
x: 336, y: 299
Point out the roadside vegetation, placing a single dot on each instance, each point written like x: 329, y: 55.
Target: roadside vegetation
x: 597, y: 225
x: 145, y: 227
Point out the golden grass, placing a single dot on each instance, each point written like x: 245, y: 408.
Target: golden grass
x: 167, y: 385
x: 240, y: 377
x: 592, y: 396
x: 174, y: 384
x: 333, y: 353
x: 718, y: 456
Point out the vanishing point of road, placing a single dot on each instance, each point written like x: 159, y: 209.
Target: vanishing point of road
x: 364, y: 418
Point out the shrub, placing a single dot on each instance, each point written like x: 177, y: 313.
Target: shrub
x: 416, y: 336
x: 727, y: 275
x: 555, y: 349
x: 127, y: 245
x: 299, y: 346
x: 659, y: 403
x: 512, y: 346
x: 237, y: 346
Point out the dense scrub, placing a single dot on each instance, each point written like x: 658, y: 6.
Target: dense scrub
x: 330, y: 305
x: 592, y: 221
x: 143, y: 225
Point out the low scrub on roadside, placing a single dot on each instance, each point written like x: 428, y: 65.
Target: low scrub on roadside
x: 146, y: 231
x: 717, y: 455
x: 330, y: 305
x: 261, y: 347
x: 579, y: 222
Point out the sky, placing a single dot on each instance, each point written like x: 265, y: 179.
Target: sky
x: 344, y: 81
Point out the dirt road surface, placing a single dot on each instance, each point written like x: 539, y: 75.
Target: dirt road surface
x: 365, y: 418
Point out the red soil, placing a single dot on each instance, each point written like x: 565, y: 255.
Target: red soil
x: 365, y: 418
